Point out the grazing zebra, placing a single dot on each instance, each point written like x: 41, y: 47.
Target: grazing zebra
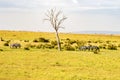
x: 15, y: 45
x: 95, y: 48
x: 83, y: 48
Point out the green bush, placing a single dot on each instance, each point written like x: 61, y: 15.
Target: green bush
x: 57, y: 64
x: 69, y: 41
x: 40, y: 46
x: 48, y: 46
x: 43, y: 40
x: 112, y: 47
x: 8, y: 41
x: 30, y: 45
x: 43, y: 46
x: 1, y: 39
x: 98, y: 41
x: 26, y: 40
x: 1, y: 49
x: 26, y: 48
x: 35, y: 40
x: 108, y: 42
x: 103, y: 46
x: 67, y: 38
x: 89, y: 41
x: 68, y: 47
x: 80, y: 43
x: 95, y: 52
x: 118, y: 45
x: 54, y: 43
x: 6, y: 44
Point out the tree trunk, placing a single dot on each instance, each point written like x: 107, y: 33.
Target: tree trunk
x: 58, y: 41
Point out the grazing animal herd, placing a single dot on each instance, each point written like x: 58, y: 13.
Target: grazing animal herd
x: 89, y: 48
x: 81, y: 47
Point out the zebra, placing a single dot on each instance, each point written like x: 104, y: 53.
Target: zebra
x: 15, y: 45
x: 83, y: 48
x: 95, y: 48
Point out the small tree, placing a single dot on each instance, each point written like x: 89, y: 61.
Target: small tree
x: 56, y: 19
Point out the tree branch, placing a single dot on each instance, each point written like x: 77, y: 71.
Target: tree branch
x: 53, y: 17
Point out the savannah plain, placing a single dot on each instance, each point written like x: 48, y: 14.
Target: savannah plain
x: 31, y: 63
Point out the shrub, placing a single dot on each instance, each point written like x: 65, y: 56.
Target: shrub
x: 56, y: 47
x: 67, y: 38
x: 6, y: 44
x: 40, y: 46
x: 77, y: 47
x: 54, y: 43
x: 89, y: 41
x: 43, y: 46
x: 1, y: 49
x: 26, y: 48
x: 30, y: 45
x: 43, y: 40
x: 61, y: 43
x: 103, y: 46
x: 8, y: 41
x: 35, y: 40
x: 118, y: 45
x: 57, y: 64
x: 108, y: 42
x: 1, y: 39
x: 98, y: 41
x: 68, y: 47
x: 48, y: 46
x: 112, y: 47
x: 72, y: 42
x: 69, y: 41
x: 95, y: 52
x: 26, y: 40
x: 80, y: 43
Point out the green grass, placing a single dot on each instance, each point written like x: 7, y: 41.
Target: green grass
x: 50, y: 64
x: 54, y: 65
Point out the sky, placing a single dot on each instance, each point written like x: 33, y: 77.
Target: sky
x: 82, y: 15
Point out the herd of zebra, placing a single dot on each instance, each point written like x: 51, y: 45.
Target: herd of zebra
x: 89, y: 48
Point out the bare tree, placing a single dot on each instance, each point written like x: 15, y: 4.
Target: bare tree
x: 56, y: 19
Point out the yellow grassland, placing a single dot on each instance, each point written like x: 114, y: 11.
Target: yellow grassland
x: 48, y: 64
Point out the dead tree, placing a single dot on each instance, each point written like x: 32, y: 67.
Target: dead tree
x: 56, y: 19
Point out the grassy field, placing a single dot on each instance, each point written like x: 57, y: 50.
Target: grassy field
x: 50, y: 64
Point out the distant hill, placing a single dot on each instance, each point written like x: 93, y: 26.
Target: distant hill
x: 98, y: 32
